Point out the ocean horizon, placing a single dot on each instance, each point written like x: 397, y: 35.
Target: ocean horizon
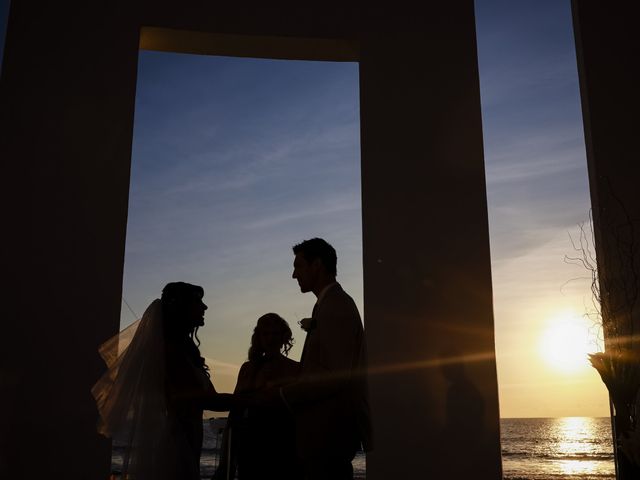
x: 563, y: 448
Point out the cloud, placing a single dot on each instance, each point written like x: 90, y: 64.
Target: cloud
x: 222, y: 368
x: 528, y: 158
x: 333, y: 206
x: 524, y: 79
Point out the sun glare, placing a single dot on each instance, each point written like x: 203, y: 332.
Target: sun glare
x: 564, y: 344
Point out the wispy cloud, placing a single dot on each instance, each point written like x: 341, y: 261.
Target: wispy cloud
x: 333, y: 206
x: 222, y: 367
x: 235, y: 160
x: 529, y: 158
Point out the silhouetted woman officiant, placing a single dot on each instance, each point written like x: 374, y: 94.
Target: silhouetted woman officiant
x: 152, y: 397
x: 262, y: 437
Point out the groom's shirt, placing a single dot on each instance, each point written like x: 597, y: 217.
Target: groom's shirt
x: 323, y: 292
x: 328, y: 400
x: 314, y: 320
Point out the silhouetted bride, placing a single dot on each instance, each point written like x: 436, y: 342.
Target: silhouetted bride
x: 152, y: 397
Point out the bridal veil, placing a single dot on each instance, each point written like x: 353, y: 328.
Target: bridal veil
x: 131, y: 397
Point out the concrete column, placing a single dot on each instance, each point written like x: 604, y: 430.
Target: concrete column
x: 66, y: 115
x: 427, y: 272
x: 608, y: 48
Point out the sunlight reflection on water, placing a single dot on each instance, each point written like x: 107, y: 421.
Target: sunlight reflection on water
x: 557, y: 448
x: 576, y: 434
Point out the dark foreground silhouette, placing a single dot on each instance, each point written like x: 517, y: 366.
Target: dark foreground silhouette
x: 329, y: 400
x: 262, y: 436
x: 152, y: 397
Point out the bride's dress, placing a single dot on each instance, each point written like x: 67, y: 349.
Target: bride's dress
x: 161, y: 438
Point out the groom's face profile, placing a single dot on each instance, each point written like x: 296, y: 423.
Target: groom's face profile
x: 306, y: 273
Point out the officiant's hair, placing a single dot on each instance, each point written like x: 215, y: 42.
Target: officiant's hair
x: 255, y: 350
x: 318, y: 248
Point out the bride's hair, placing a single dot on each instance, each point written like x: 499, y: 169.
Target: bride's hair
x: 256, y: 351
x: 175, y: 297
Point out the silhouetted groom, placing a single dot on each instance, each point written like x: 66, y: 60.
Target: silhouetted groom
x: 329, y: 400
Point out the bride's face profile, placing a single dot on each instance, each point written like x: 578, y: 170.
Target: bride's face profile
x: 194, y: 312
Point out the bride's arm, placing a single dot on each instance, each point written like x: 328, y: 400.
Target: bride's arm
x: 218, y: 402
x: 207, y: 400
x: 239, y: 399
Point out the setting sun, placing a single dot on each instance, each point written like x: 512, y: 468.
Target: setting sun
x: 564, y: 344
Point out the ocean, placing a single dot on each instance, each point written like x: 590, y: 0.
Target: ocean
x: 570, y: 448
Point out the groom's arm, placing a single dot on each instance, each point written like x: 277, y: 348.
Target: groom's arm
x: 333, y: 364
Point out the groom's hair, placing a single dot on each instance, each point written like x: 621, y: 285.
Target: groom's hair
x: 317, y: 248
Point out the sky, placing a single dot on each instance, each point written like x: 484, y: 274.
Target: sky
x: 235, y: 160
x: 538, y: 193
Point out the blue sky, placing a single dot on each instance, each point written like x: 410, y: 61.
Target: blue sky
x: 534, y: 144
x: 538, y: 193
x: 234, y: 160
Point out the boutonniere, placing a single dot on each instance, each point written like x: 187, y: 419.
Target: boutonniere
x: 308, y: 324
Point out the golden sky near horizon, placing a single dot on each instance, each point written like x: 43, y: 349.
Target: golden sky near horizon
x: 218, y: 197
x: 542, y: 337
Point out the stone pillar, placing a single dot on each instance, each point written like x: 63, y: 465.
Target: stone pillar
x: 427, y: 271
x: 66, y: 115
x: 608, y: 48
